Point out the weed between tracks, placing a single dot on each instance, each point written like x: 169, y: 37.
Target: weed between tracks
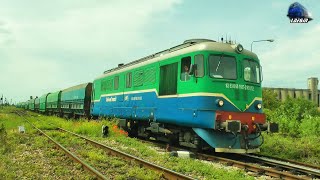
x: 115, y: 168
x: 31, y: 156
x: 110, y: 166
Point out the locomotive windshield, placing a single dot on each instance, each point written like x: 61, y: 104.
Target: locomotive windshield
x: 223, y: 67
x: 251, y: 71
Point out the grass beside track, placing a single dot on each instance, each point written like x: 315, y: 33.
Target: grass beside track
x: 303, y: 149
x: 30, y: 155
x: 92, y: 129
x: 112, y: 167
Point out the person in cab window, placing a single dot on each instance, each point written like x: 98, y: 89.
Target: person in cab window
x: 185, y: 74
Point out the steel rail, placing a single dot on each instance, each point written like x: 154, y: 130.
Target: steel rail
x: 311, y: 170
x: 291, y: 161
x: 167, y: 173
x: 250, y: 167
x: 68, y: 153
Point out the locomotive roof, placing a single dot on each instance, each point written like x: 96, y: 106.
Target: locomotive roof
x: 188, y: 46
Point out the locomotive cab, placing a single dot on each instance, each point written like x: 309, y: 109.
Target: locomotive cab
x: 234, y: 81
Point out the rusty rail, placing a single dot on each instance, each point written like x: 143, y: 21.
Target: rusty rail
x: 248, y: 167
x: 291, y: 161
x: 311, y: 170
x: 167, y: 173
x: 68, y: 153
x: 254, y: 168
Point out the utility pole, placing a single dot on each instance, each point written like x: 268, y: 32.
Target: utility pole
x: 1, y: 100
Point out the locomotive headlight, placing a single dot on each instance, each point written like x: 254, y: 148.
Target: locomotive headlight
x: 239, y: 48
x: 259, y: 106
x: 220, y: 102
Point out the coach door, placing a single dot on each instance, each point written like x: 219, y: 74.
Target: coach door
x: 168, y: 79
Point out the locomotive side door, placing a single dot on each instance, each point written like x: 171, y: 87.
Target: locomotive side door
x: 168, y: 79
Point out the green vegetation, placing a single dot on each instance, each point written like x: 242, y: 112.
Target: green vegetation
x: 30, y: 156
x: 35, y: 145
x: 299, y: 123
x: 4, y: 146
x: 270, y: 101
x: 119, y: 140
x: 112, y: 167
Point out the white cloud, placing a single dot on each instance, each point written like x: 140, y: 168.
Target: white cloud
x: 293, y: 59
x: 94, y: 28
x: 45, y: 47
x: 77, y: 40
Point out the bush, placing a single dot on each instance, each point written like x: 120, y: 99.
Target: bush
x: 310, y: 127
x: 305, y: 149
x: 292, y: 113
x: 299, y: 123
x: 270, y: 100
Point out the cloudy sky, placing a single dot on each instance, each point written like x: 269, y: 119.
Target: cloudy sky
x: 46, y: 46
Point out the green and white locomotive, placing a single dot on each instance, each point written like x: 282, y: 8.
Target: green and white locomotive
x: 200, y: 94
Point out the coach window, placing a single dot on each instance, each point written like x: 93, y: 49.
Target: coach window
x: 116, y: 83
x: 199, y: 61
x: 185, y: 68
x: 129, y: 80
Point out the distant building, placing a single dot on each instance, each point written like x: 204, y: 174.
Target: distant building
x: 312, y: 93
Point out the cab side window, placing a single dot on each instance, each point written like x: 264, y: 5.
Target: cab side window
x: 185, y: 67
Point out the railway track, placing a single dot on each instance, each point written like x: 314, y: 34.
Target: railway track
x: 259, y: 164
x: 288, y: 165
x: 260, y: 168
x: 86, y: 166
x: 166, y: 173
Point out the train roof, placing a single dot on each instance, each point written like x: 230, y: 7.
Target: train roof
x: 44, y: 95
x: 187, y: 46
x: 80, y: 86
